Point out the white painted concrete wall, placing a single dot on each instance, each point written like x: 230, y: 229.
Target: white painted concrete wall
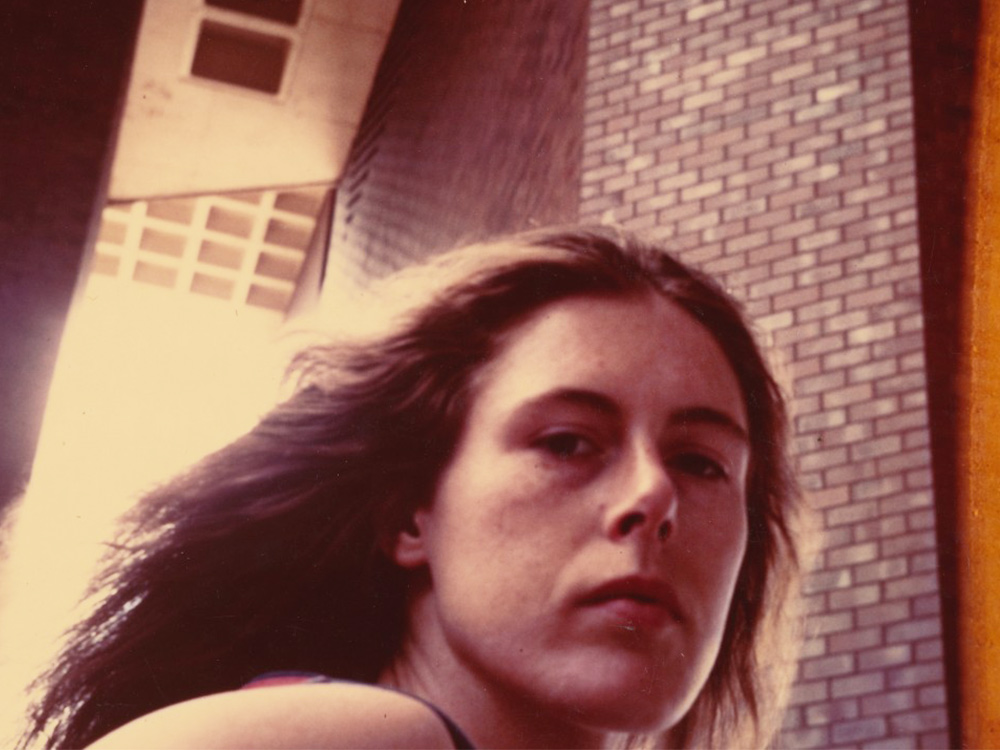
x: 182, y: 134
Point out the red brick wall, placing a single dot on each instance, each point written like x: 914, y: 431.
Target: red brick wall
x: 770, y: 142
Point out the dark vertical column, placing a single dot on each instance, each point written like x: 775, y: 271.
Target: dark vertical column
x: 63, y: 72
x: 474, y: 127
x: 943, y: 39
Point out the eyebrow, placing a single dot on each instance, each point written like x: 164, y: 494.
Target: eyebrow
x: 603, y: 404
x: 580, y: 397
x: 708, y: 415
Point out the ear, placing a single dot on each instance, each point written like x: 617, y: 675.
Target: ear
x: 408, y: 547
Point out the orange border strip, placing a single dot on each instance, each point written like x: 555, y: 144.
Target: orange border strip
x: 979, y: 509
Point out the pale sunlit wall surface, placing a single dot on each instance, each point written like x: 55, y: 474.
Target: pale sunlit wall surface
x: 148, y: 380
x: 770, y: 142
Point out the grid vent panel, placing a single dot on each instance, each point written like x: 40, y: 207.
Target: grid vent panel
x: 246, y: 248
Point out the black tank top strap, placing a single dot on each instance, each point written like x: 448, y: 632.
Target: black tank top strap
x: 458, y: 738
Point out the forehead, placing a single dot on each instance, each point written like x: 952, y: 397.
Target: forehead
x: 643, y: 351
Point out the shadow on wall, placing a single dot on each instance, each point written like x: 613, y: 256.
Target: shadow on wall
x: 474, y: 128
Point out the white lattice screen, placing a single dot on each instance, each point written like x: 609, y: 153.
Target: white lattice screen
x: 247, y: 248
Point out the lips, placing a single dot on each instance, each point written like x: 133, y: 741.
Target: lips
x: 637, y: 601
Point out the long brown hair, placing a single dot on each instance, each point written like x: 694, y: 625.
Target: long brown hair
x: 266, y: 555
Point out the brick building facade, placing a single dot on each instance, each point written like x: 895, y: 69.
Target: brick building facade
x: 473, y: 129
x: 771, y: 143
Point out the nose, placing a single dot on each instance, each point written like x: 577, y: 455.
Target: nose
x: 645, y: 499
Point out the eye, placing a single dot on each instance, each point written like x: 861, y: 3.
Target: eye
x: 566, y: 445
x: 699, y: 465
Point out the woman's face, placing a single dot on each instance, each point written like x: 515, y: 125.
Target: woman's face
x: 585, y: 539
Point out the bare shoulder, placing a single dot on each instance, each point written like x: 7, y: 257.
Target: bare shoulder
x: 335, y: 715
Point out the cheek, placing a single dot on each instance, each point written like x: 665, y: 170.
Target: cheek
x: 501, y: 532
x: 717, y: 545
x: 475, y: 516
x: 730, y: 552
x: 505, y: 500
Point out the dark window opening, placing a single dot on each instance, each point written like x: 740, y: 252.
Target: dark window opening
x: 282, y: 11
x: 240, y: 57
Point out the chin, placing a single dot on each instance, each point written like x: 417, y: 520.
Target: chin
x: 640, y: 703
x: 632, y: 716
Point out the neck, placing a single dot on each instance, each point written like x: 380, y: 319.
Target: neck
x: 487, y: 715
x: 490, y: 714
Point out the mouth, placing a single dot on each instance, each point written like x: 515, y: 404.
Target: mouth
x: 635, y: 601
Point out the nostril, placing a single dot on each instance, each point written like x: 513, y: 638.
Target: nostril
x: 664, y: 529
x: 629, y: 522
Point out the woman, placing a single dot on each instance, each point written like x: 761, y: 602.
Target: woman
x: 545, y: 501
